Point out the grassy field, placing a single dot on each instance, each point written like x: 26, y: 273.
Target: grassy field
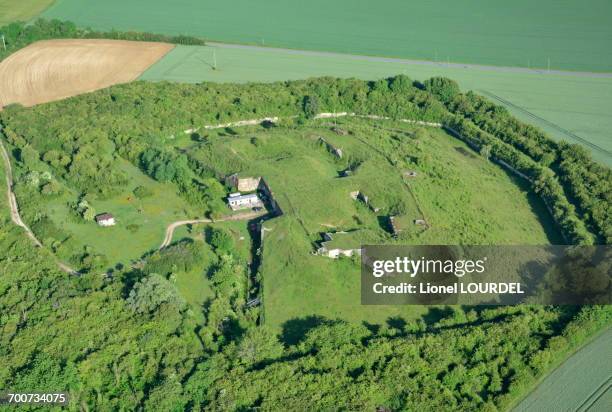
x: 465, y: 199
x: 581, y: 383
x: 150, y: 216
x: 194, y: 285
x: 21, y: 10
x: 572, y: 35
x: 567, y: 107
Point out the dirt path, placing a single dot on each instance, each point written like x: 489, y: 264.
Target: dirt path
x: 255, y: 122
x: 15, y: 216
x: 172, y: 226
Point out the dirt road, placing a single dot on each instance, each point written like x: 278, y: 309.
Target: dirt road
x: 15, y: 216
x: 172, y: 226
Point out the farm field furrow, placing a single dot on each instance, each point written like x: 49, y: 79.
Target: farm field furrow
x: 572, y: 108
x: 581, y: 383
x: 55, y: 69
x: 520, y: 33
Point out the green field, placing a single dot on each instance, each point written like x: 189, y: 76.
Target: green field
x: 581, y: 383
x: 194, y: 286
x: 574, y: 36
x: 465, y: 199
x: 21, y: 10
x: 149, y: 218
x: 564, y: 106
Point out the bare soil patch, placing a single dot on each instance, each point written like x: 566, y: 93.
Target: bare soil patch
x: 55, y: 69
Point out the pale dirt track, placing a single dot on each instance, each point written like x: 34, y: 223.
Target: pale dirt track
x: 55, y: 69
x: 15, y: 216
x: 174, y: 225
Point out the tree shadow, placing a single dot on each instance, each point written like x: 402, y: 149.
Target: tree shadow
x: 372, y: 327
x: 267, y: 124
x: 208, y: 232
x: 436, y: 314
x: 129, y: 279
x: 397, y: 323
x: 295, y: 330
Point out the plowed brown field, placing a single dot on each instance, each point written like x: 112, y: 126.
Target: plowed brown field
x: 56, y: 69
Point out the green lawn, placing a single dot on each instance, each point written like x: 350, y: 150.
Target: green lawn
x: 575, y: 106
x: 466, y: 200
x: 21, y: 10
x: 194, y: 285
x: 572, y: 35
x: 120, y: 244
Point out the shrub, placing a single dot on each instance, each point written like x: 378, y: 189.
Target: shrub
x: 221, y: 240
x: 142, y: 192
x: 151, y: 292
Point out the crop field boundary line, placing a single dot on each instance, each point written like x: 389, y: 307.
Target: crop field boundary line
x: 558, y: 128
x: 381, y: 59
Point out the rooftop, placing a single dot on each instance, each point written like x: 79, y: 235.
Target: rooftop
x: 242, y: 197
x: 104, y: 216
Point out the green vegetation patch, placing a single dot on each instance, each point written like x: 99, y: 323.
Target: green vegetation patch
x: 351, y: 240
x: 464, y: 199
x: 140, y: 222
x: 481, y: 32
x: 21, y: 10
x: 159, y: 334
x: 570, y: 108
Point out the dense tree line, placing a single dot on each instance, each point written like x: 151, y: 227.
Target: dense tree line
x: 589, y: 186
x: 543, y: 180
x: 182, y: 256
x: 127, y: 342
x: 166, y: 167
x: 586, y: 184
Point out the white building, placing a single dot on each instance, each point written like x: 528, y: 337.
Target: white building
x: 336, y: 253
x: 238, y: 201
x: 105, y: 219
